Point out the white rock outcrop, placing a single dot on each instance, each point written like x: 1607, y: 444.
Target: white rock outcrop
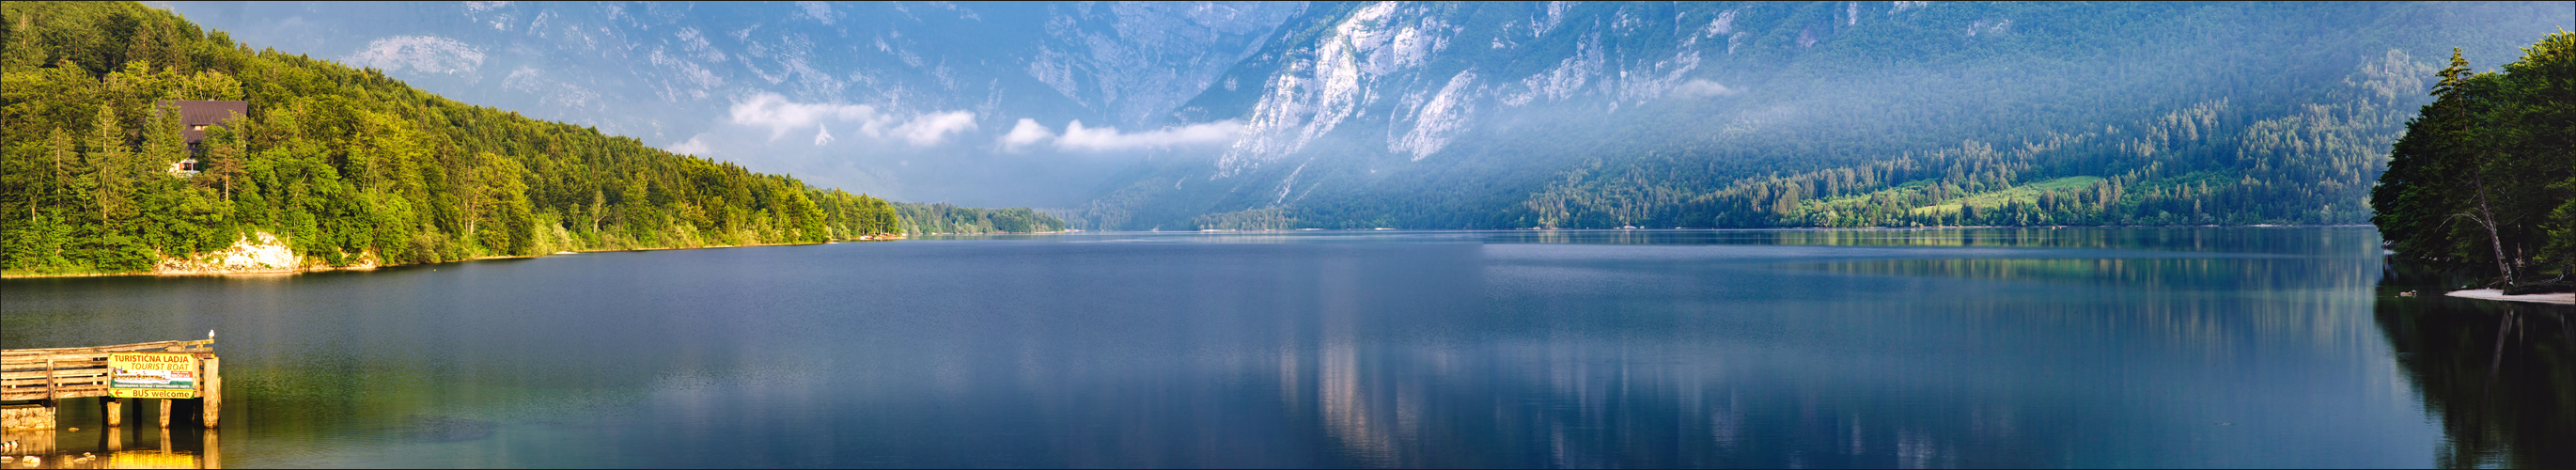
x: 258, y: 253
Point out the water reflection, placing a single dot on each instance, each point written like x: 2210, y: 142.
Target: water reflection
x: 1593, y: 356
x: 2282, y: 240
x: 1866, y: 348
x: 2499, y: 376
x: 113, y: 447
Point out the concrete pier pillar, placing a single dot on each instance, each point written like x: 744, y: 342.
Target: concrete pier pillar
x: 214, y: 393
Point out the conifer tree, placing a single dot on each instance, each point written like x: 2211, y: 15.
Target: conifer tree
x: 106, y: 160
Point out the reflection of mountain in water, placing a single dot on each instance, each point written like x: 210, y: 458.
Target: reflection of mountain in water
x: 2501, y: 376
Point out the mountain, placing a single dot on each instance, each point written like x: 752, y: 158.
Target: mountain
x: 902, y: 99
x: 1599, y: 114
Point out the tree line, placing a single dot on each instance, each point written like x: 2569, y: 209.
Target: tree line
x: 945, y: 218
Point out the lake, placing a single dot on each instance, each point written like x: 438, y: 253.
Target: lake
x: 2073, y: 347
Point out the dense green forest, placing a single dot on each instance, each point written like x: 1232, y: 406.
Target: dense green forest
x: 943, y: 218
x: 349, y: 167
x: 2485, y: 177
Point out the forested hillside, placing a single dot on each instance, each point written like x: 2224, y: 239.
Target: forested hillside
x: 347, y: 166
x: 1815, y: 114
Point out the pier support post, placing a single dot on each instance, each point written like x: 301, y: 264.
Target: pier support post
x: 213, y: 378
x: 115, y: 411
x: 165, y: 413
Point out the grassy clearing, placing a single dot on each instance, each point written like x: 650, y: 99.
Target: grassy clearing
x: 2027, y: 192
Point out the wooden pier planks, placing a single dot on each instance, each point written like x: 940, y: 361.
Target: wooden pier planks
x: 49, y: 375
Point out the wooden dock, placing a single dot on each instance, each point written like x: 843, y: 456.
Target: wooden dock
x: 34, y: 382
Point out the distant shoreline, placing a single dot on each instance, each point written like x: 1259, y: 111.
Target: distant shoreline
x: 1749, y: 229
x: 372, y: 266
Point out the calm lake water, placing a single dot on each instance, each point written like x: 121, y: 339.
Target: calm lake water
x: 2139, y: 347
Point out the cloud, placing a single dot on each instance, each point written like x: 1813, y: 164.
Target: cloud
x: 1026, y: 133
x: 819, y: 11
x: 696, y: 145
x: 929, y: 128
x: 1101, y: 139
x: 549, y: 91
x: 1702, y: 88
x: 780, y: 115
x: 431, y: 54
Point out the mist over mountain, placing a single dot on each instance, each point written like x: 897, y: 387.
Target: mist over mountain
x: 1477, y: 115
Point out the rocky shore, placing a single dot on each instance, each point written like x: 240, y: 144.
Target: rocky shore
x: 265, y: 254
x: 2562, y: 298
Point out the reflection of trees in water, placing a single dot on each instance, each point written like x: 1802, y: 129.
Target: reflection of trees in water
x: 2501, y: 376
x: 2277, y: 240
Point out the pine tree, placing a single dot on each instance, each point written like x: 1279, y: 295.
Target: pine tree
x: 106, y: 161
x: 224, y: 154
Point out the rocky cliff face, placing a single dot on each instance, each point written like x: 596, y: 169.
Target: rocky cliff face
x: 1132, y: 62
x: 1396, y: 60
x: 259, y: 253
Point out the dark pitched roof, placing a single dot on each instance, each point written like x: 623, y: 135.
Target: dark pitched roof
x: 205, y: 113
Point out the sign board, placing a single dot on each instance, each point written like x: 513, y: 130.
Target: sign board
x: 152, y: 375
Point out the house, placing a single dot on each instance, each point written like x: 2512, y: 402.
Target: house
x: 194, y: 118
